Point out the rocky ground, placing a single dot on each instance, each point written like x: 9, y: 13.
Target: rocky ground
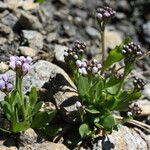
x: 44, y: 31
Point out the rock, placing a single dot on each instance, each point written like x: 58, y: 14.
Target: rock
x: 27, y: 51
x: 4, y: 30
x: 12, y: 4
x: 112, y: 39
x: 57, y: 87
x: 28, y: 137
x: 51, y: 37
x: 8, y: 144
x: 92, y: 32
x: 146, y: 31
x: 145, y: 107
x: 3, y: 6
x: 59, y: 52
x: 10, y: 20
x: 125, y: 139
x: 29, y: 5
x: 2, y: 40
x: 28, y: 21
x: 34, y: 38
x: 3, y: 67
x: 68, y: 30
x: 44, y: 146
x: 146, y: 91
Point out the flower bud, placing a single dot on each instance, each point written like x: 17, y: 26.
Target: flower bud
x: 78, y: 63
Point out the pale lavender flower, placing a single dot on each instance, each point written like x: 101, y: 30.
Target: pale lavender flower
x: 5, y: 85
x: 9, y: 87
x: 78, y: 63
x: 5, y: 78
x: 94, y: 70
x: 2, y: 85
x: 25, y: 68
x: 20, y: 63
x: 28, y: 60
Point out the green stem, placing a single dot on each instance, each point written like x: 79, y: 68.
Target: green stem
x: 102, y: 33
x: 18, y: 87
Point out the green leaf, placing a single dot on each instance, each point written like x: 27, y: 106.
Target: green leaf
x: 83, y: 86
x: 114, y: 55
x: 42, y: 118
x: 109, y: 122
x: 99, y: 125
x: 125, y: 98
x: 33, y: 96
x: 52, y: 131
x: 84, y: 130
x: 20, y: 126
x: 112, y: 81
x: 6, y: 108
x: 36, y: 108
x: 113, y: 89
x: 40, y: 1
x: 97, y: 85
x: 92, y: 111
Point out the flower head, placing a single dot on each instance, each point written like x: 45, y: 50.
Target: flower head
x: 104, y: 13
x: 20, y: 63
x: 5, y: 84
x: 138, y: 83
x: 131, y: 51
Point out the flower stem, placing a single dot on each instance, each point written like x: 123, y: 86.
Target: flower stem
x: 102, y: 32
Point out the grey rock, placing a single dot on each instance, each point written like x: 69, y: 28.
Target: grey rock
x: 125, y: 139
x: 28, y: 137
x: 51, y: 37
x: 146, y: 31
x: 34, y: 38
x: 3, y: 6
x: 146, y: 91
x: 28, y: 21
x: 92, y: 32
x: 45, y: 146
x: 68, y: 29
x: 27, y: 51
x: 5, y: 30
x: 10, y: 20
x: 59, y: 52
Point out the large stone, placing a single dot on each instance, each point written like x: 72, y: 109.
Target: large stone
x: 146, y: 91
x: 10, y: 20
x: 3, y: 6
x: 112, y: 39
x: 146, y: 31
x: 28, y: 21
x: 28, y: 137
x: 59, y: 52
x: 34, y: 38
x: 124, y: 139
x: 92, y: 32
x: 27, y: 51
x: 45, y: 146
x: 3, y: 67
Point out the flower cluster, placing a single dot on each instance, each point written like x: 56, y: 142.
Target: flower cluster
x: 131, y: 51
x: 5, y: 84
x: 135, y: 109
x: 104, y: 13
x: 21, y: 64
x: 87, y: 67
x: 76, y: 52
x: 138, y: 83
